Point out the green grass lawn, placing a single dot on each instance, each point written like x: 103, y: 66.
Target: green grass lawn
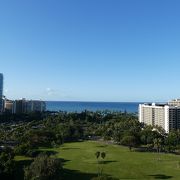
x: 80, y: 162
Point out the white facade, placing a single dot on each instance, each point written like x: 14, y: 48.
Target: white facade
x: 168, y: 117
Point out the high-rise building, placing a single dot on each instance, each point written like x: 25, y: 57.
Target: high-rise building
x: 174, y: 102
x: 8, y: 105
x: 164, y: 115
x: 19, y: 106
x: 1, y: 92
x: 35, y: 105
x: 27, y: 106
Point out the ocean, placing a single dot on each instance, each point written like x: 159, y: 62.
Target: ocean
x: 68, y: 106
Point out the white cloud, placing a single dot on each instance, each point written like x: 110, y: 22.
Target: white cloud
x: 50, y: 91
x: 56, y: 94
x: 6, y: 91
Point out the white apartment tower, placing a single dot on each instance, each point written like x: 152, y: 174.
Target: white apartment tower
x: 164, y: 115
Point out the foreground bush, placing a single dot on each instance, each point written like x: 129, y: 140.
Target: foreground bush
x: 44, y: 168
x: 7, y: 165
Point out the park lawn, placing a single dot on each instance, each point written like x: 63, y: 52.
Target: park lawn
x: 80, y: 161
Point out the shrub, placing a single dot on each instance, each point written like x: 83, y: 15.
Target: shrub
x: 44, y: 168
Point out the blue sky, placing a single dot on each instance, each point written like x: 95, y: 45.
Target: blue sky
x: 90, y: 50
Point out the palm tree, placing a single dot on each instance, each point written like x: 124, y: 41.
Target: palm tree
x: 103, y: 155
x: 158, y: 144
x: 97, y: 154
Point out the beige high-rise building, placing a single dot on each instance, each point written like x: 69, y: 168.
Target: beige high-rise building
x: 27, y: 106
x: 35, y: 105
x: 164, y: 115
x: 8, y: 105
x: 174, y: 102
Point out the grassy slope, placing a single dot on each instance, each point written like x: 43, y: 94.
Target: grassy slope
x: 119, y: 162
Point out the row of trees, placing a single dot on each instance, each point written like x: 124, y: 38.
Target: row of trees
x: 57, y: 128
x: 53, y: 129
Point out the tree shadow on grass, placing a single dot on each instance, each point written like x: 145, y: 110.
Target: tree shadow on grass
x: 107, y: 162
x: 161, y: 176
x: 101, y: 146
x: 77, y: 175
x: 47, y: 152
x: 35, y: 153
x: 63, y: 161
x: 69, y: 148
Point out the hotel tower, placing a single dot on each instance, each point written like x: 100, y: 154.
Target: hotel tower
x: 165, y: 115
